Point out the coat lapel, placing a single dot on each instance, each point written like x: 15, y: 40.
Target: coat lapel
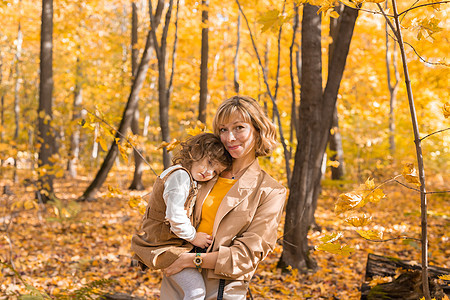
x: 238, y: 193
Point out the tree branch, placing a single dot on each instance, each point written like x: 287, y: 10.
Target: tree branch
x: 422, y: 5
x: 275, y: 107
x: 169, y: 86
x: 428, y: 135
x: 123, y: 137
x: 392, y: 239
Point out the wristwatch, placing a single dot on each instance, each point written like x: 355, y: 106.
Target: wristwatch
x: 198, y: 260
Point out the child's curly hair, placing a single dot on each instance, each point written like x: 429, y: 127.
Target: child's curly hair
x: 197, y: 147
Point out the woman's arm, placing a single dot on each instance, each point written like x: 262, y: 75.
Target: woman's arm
x: 186, y: 260
x: 251, y: 246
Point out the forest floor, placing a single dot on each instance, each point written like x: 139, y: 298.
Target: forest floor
x: 74, y: 248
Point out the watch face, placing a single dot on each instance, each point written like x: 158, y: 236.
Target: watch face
x: 198, y: 260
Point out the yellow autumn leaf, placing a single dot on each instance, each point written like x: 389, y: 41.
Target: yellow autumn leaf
x: 194, y: 131
x: 334, y: 15
x: 102, y: 143
x: 142, y: 209
x: 446, y: 110
x: 410, y: 174
x: 172, y: 145
x: 347, y: 201
x: 370, y: 234
x: 375, y: 196
x: 333, y: 164
x: 335, y: 248
x: 134, y: 201
x: 123, y: 152
x: 369, y: 184
x: 348, y: 3
x: 331, y: 237
x: 358, y: 221
x: 375, y: 1
x: 444, y: 277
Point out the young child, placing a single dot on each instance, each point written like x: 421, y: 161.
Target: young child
x: 167, y: 228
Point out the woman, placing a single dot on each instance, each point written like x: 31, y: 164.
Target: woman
x: 241, y: 208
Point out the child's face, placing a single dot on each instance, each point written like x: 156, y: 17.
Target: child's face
x: 205, y: 169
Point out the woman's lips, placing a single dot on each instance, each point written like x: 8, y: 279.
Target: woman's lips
x: 232, y: 147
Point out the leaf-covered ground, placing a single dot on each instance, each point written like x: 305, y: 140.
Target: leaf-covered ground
x: 64, y: 247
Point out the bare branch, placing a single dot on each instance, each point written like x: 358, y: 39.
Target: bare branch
x: 123, y: 137
x: 422, y: 5
x: 393, y: 239
x: 428, y: 135
x: 275, y: 107
x: 387, y: 20
x: 407, y: 186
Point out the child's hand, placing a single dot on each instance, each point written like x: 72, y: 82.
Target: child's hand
x: 202, y: 240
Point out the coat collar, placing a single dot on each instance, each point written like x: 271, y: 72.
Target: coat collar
x: 247, y: 182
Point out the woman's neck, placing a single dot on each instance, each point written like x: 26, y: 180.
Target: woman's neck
x: 240, y: 164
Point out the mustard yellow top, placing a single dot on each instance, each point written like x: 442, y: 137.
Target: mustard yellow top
x: 212, y: 202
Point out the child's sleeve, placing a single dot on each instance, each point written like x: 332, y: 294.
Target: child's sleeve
x: 176, y: 191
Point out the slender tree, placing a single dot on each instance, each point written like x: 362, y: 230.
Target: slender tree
x: 204, y: 63
x: 236, y: 55
x: 294, y: 121
x: 74, y: 151
x: 45, y: 114
x: 136, y: 183
x: 392, y: 87
x: 17, y: 56
x: 92, y: 189
x: 163, y: 90
x: 335, y: 139
x: 315, y: 119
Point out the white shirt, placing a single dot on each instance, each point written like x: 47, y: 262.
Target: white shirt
x: 176, y: 191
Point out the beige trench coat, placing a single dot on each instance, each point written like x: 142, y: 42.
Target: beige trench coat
x: 245, y: 227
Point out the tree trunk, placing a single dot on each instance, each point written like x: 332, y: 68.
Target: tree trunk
x: 74, y: 151
x: 45, y: 115
x: 236, y: 56
x: 136, y: 183
x: 335, y: 144
x: 315, y: 115
x: 300, y: 203
x: 393, y: 88
x: 294, y: 119
x: 204, y: 63
x: 163, y: 95
x: 2, y: 103
x: 335, y: 140
x: 92, y: 189
x: 16, y: 97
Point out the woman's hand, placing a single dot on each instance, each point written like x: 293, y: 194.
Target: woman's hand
x: 186, y: 260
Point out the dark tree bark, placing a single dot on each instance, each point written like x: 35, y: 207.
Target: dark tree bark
x: 335, y: 140
x: 74, y: 151
x: 92, y: 189
x: 204, y: 64
x: 136, y: 183
x: 45, y: 114
x: 315, y: 119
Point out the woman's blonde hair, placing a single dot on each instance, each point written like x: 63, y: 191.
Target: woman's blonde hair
x: 197, y: 147
x: 251, y: 112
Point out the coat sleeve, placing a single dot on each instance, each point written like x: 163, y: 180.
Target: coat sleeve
x: 255, y: 243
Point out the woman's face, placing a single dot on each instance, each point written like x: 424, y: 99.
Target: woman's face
x: 238, y: 136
